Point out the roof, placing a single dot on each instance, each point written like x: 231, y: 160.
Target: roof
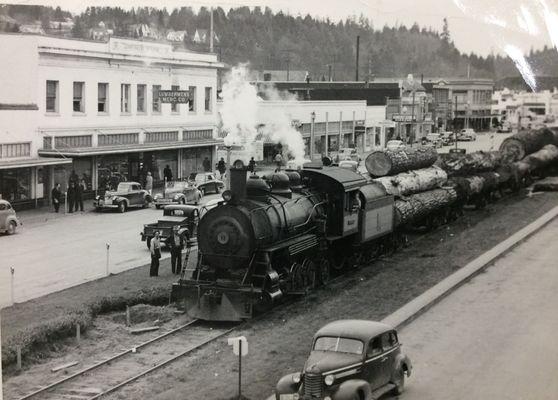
x: 340, y: 179
x: 33, y: 162
x: 354, y: 328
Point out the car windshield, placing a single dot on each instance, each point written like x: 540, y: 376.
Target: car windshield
x: 339, y: 345
x: 124, y: 187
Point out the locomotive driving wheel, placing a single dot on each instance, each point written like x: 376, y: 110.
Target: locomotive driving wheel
x: 322, y: 271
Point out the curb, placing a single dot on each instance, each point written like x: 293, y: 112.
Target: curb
x: 422, y: 303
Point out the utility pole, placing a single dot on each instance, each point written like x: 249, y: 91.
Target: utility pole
x: 211, y: 30
x: 357, y: 56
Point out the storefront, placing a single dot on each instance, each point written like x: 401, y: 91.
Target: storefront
x: 27, y: 183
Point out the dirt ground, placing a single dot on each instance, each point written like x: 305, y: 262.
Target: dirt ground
x: 279, y: 343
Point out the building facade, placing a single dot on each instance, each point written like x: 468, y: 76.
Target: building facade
x: 520, y: 110
x: 91, y: 111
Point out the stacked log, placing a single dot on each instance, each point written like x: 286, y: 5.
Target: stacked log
x: 543, y: 158
x: 416, y: 181
x: 522, y: 144
x: 421, y: 205
x: 469, y: 186
x: 468, y: 164
x: 386, y: 162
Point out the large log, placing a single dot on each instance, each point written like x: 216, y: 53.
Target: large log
x: 416, y: 181
x: 467, y: 164
x: 518, y: 146
x: 386, y: 162
x: 543, y: 158
x: 469, y: 186
x: 421, y: 205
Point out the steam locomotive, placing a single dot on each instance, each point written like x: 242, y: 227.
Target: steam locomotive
x: 282, y: 236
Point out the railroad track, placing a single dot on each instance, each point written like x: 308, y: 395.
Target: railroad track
x: 109, y: 375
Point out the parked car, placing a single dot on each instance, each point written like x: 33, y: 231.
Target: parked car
x: 350, y: 359
x: 8, y: 218
x: 126, y: 195
x: 178, y: 192
x: 206, y: 182
x: 394, y: 145
x: 434, y: 140
x: 185, y: 216
x: 447, y: 137
x: 467, y: 135
x: 347, y: 153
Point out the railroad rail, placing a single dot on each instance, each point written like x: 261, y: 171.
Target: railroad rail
x: 84, y: 382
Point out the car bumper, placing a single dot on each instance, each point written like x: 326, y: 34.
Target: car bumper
x: 165, y: 202
x: 103, y: 204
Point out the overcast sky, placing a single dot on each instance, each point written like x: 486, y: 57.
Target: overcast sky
x: 480, y: 26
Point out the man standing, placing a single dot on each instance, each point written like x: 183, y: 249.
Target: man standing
x: 176, y: 243
x: 155, y: 249
x: 221, y: 167
x: 252, y: 165
x: 71, y: 197
x: 79, y: 196
x: 167, y: 172
x: 56, y: 197
x: 206, y: 165
x: 149, y: 183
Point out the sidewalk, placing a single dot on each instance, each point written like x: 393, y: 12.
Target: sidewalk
x: 44, y: 214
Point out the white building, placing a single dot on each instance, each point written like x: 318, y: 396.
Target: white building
x: 525, y: 110
x: 93, y: 108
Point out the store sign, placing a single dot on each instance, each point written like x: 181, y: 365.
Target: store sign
x: 359, y: 122
x: 403, y: 118
x: 174, y: 96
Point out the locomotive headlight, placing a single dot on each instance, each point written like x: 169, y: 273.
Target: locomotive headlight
x: 296, y: 377
x: 329, y: 380
x: 227, y: 195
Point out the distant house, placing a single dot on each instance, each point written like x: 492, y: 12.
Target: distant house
x: 202, y: 36
x: 32, y: 28
x: 100, y: 32
x: 144, y: 31
x: 7, y: 23
x: 176, y: 36
x: 65, y: 25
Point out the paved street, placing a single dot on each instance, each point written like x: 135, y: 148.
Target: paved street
x: 485, y: 141
x: 50, y: 254
x: 494, y: 338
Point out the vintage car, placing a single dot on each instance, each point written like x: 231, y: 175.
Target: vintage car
x: 8, y: 218
x: 206, y: 182
x: 185, y: 216
x: 126, y: 195
x: 178, y: 192
x: 350, y: 359
x: 467, y: 135
x: 394, y: 145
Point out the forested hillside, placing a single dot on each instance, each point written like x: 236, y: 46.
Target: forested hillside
x: 276, y: 41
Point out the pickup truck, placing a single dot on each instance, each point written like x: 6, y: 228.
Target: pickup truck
x: 185, y: 216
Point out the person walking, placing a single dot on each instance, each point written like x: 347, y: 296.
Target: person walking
x: 252, y: 165
x: 71, y: 197
x: 206, y: 165
x: 79, y: 195
x: 221, y: 167
x: 56, y: 194
x: 176, y: 243
x: 155, y: 249
x: 167, y: 172
x: 149, y: 183
x: 278, y: 161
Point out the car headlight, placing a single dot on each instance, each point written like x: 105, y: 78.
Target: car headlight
x: 329, y: 379
x: 296, y: 378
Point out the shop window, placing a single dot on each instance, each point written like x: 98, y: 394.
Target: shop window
x: 156, y: 100
x: 192, y: 98
x: 141, y: 98
x: 15, y: 184
x: 102, y: 97
x: 78, y: 171
x: 125, y: 98
x: 52, y: 96
x: 14, y: 150
x: 79, y: 100
x: 174, y: 106
x: 208, y: 99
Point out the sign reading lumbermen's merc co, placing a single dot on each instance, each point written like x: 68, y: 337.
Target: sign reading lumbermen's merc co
x: 174, y: 96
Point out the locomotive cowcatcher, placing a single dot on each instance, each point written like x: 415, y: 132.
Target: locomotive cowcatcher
x: 279, y: 236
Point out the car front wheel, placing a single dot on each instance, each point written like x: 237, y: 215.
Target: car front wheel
x: 399, y: 381
x: 122, y: 207
x: 12, y: 227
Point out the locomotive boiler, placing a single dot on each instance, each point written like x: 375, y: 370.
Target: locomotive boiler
x: 280, y: 236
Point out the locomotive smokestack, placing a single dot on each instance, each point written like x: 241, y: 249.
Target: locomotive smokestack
x: 238, y: 183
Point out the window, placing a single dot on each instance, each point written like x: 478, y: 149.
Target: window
x: 102, y: 97
x: 374, y: 347
x: 61, y: 142
x: 192, y: 96
x: 338, y: 344
x: 78, y: 102
x: 174, y: 106
x: 14, y: 150
x: 125, y: 98
x: 52, y: 96
x: 156, y: 101
x: 141, y: 99
x: 208, y: 99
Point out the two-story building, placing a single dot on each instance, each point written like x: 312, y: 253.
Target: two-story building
x: 75, y: 108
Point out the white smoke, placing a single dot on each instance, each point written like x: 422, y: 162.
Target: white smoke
x: 239, y: 115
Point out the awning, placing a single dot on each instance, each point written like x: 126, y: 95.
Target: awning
x: 33, y: 162
x: 96, y: 151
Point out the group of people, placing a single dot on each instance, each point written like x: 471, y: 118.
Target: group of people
x: 176, y: 243
x: 74, y: 194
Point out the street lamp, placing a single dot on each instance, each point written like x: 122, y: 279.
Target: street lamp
x: 313, y: 117
x: 228, y: 179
